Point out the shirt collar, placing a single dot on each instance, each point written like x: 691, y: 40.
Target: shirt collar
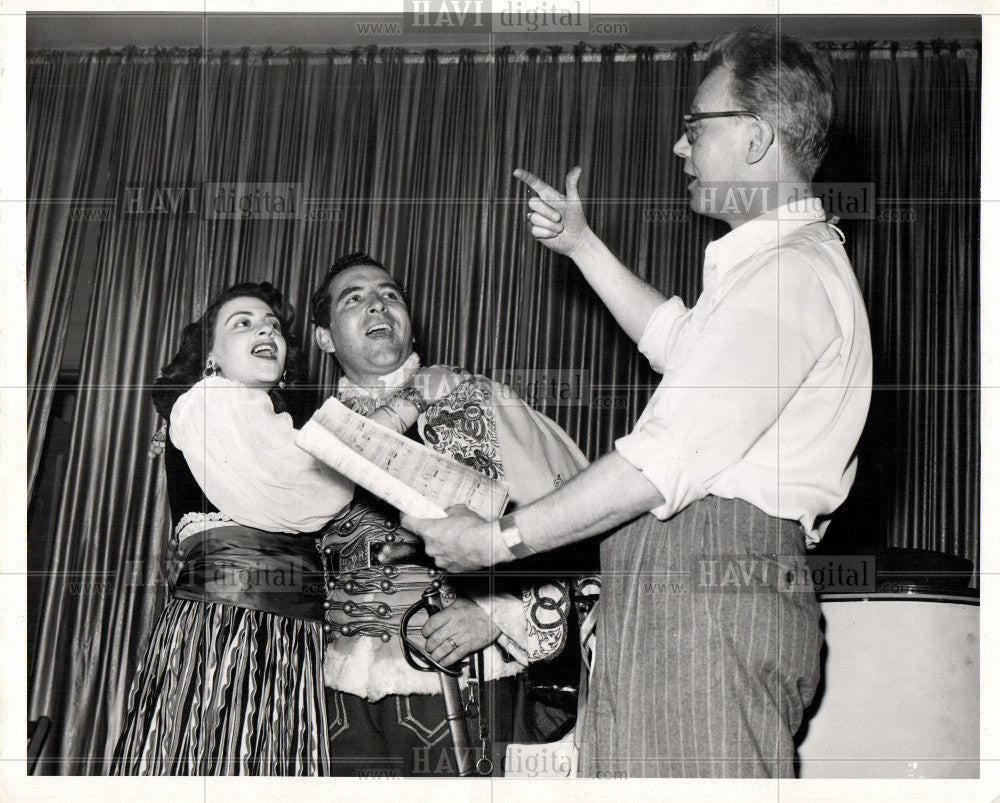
x: 723, y: 254
x: 385, y: 385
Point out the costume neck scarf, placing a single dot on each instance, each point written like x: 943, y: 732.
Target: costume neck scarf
x: 385, y: 385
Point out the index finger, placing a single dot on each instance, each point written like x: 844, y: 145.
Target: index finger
x: 545, y: 192
x: 413, y: 524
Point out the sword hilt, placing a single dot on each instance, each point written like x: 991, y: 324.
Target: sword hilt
x: 430, y: 601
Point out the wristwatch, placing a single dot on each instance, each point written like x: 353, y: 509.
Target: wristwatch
x: 512, y: 537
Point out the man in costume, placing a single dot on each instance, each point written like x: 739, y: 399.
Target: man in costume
x: 708, y: 637
x: 384, y: 715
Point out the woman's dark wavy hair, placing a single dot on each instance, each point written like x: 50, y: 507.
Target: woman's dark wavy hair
x: 187, y: 366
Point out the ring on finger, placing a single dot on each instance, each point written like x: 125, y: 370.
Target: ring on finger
x: 454, y: 646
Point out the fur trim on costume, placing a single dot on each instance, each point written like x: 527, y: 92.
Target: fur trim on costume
x: 370, y: 668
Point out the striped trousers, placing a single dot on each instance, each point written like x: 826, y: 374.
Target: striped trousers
x: 708, y: 647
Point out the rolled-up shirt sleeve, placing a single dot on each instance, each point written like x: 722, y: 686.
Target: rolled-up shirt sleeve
x: 661, y: 332
x: 726, y: 377
x: 244, y: 457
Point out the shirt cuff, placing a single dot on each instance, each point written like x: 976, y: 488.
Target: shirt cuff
x: 507, y: 613
x: 666, y: 467
x: 534, y: 627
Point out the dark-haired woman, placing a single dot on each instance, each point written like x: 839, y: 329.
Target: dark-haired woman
x: 231, y: 682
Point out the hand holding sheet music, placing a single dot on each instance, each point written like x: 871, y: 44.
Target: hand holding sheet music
x: 408, y: 475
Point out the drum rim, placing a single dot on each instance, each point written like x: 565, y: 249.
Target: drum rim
x: 910, y: 593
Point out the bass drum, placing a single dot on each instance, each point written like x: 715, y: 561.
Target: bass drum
x: 900, y: 690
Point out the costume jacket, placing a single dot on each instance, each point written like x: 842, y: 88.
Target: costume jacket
x: 485, y: 425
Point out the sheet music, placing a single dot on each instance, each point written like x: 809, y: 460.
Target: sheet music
x: 408, y: 475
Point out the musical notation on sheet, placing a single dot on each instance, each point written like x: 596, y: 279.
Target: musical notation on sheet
x: 408, y: 475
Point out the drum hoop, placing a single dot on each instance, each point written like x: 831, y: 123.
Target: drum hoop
x: 899, y: 596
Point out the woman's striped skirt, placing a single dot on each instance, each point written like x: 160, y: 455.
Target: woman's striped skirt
x: 224, y: 690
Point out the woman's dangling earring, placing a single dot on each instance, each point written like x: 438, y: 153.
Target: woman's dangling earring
x: 211, y: 368
x: 281, y: 382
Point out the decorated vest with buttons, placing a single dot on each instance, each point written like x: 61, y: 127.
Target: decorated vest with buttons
x: 365, y: 598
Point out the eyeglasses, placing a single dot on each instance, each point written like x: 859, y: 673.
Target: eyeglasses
x: 691, y: 132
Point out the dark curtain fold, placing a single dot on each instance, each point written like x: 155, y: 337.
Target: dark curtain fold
x: 102, y: 592
x: 409, y: 156
x: 911, y: 126
x: 64, y: 96
x: 941, y: 512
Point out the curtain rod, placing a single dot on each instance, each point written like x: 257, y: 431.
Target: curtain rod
x: 584, y: 53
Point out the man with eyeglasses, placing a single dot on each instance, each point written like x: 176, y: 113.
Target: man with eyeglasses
x: 708, y: 636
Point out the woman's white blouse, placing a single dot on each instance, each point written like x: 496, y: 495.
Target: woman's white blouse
x: 244, y: 457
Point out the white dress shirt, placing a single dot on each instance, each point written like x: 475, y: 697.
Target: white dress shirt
x: 244, y: 457
x: 766, y: 380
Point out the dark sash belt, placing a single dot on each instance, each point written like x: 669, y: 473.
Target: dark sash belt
x: 278, y: 573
